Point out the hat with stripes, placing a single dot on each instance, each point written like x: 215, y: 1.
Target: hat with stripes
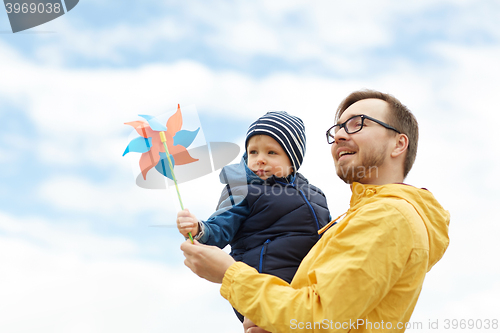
x: 287, y: 130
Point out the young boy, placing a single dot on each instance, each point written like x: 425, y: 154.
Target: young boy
x: 268, y: 212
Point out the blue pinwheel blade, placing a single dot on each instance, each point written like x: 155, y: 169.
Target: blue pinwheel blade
x: 153, y: 123
x: 163, y: 166
x: 138, y: 145
x: 185, y: 138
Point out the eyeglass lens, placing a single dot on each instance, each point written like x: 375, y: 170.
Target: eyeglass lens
x: 352, y: 125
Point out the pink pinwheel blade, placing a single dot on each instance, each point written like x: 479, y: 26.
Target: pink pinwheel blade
x: 142, y: 128
x: 181, y: 156
x: 174, y: 123
x: 149, y: 160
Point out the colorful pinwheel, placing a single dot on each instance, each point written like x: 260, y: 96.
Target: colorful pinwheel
x: 153, y: 150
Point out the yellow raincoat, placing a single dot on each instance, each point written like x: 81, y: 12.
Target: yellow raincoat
x: 364, y: 275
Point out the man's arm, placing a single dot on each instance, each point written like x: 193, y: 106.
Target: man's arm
x: 344, y: 277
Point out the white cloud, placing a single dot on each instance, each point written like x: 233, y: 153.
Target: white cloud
x: 98, y: 43
x: 336, y: 35
x: 71, y: 238
x: 77, y: 194
x: 67, y: 280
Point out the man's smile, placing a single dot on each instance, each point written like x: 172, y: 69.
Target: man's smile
x: 344, y: 151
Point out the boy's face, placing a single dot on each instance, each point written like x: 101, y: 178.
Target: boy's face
x: 266, y: 157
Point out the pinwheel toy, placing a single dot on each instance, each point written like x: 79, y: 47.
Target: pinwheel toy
x: 161, y: 145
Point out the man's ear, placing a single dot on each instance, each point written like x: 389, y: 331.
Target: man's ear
x: 401, y: 145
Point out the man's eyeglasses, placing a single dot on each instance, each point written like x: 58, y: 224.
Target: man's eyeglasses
x: 353, y: 125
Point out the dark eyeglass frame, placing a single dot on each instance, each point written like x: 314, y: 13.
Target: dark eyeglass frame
x: 331, y: 138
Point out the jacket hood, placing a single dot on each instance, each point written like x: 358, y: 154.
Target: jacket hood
x: 435, y: 217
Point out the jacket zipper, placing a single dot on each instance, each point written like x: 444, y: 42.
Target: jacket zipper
x: 311, y: 208
x: 262, y: 253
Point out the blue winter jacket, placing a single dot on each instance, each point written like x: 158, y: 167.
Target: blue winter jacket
x: 271, y: 225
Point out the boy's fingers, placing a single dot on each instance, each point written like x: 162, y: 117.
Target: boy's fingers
x: 183, y: 220
x: 184, y: 212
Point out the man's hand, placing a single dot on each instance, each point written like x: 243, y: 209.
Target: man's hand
x: 250, y: 327
x: 208, y: 262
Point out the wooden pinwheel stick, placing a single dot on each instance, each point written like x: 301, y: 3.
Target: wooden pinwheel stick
x: 164, y: 141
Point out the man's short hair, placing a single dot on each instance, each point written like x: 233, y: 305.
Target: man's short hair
x: 400, y: 117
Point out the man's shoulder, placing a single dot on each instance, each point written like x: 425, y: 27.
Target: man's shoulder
x: 387, y: 206
x: 396, y: 214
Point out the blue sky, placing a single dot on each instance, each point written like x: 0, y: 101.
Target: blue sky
x: 76, y: 244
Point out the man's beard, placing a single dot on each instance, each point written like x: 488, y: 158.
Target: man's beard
x: 368, y: 168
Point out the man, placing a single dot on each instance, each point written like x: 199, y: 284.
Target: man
x: 366, y: 272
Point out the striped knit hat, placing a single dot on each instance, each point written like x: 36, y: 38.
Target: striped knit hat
x: 287, y: 130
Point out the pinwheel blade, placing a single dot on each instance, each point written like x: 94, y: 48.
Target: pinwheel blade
x: 138, y: 145
x: 185, y: 138
x: 174, y: 123
x: 163, y: 166
x: 153, y: 123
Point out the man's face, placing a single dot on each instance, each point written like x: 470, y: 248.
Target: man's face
x: 359, y: 157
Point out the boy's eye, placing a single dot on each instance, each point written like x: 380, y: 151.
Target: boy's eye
x: 252, y: 152
x: 272, y: 153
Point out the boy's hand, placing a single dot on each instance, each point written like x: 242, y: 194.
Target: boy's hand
x: 187, y: 223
